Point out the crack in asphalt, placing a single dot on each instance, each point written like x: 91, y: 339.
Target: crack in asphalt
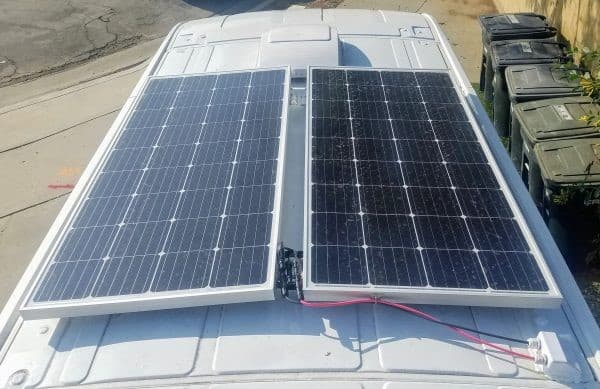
x: 78, y: 86
x: 115, y: 44
x: 119, y: 42
x: 34, y: 205
x: 57, y: 132
x: 421, y: 6
x: 109, y: 48
x: 104, y: 18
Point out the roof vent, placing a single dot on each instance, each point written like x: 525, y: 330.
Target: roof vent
x: 286, y: 46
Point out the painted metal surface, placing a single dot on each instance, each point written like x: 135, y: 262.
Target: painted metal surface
x: 373, y: 347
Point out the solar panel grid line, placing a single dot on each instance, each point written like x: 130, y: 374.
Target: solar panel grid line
x: 361, y: 215
x: 264, y: 105
x: 115, y: 237
x: 434, y: 144
x: 100, y: 280
x: 353, y: 136
x: 231, y: 177
x: 169, y: 226
x: 463, y: 216
x: 246, y: 90
x: 447, y: 211
x: 533, y: 252
x: 131, y: 165
x: 419, y: 247
x: 162, y: 252
x: 499, y: 186
x: 354, y: 140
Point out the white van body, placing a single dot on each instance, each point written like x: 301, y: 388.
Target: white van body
x: 278, y: 344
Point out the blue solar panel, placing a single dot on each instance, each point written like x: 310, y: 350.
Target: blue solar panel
x: 402, y: 193
x: 186, y: 197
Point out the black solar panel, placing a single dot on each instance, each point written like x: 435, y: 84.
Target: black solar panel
x: 186, y: 197
x: 401, y: 192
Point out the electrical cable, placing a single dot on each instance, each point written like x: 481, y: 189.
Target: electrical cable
x: 508, y: 338
x: 460, y: 330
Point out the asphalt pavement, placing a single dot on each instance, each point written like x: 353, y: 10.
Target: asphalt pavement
x: 42, y: 37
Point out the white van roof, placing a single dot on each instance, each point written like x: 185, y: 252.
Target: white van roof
x: 277, y: 343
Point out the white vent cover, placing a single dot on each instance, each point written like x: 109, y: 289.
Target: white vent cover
x: 299, y: 46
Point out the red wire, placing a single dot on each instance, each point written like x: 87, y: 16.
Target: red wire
x: 418, y: 313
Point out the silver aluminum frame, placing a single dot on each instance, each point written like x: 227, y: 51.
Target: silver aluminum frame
x: 428, y: 295
x: 154, y: 300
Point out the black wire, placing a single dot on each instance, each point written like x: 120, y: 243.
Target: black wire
x: 445, y: 323
x: 477, y: 331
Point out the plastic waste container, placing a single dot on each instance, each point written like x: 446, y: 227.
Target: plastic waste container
x: 500, y: 27
x: 534, y: 82
x: 546, y: 120
x: 521, y: 52
x: 570, y: 176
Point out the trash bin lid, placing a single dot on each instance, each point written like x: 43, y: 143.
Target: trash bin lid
x: 526, y: 51
x: 515, y: 26
x: 528, y: 82
x: 556, y: 118
x: 569, y: 161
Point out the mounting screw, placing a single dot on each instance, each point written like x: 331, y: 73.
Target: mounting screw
x: 18, y: 377
x: 44, y: 330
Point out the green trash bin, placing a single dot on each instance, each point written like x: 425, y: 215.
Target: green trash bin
x: 546, y: 120
x: 521, y: 52
x: 534, y: 82
x: 501, y: 27
x: 570, y: 176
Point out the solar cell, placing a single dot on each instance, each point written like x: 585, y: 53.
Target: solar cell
x: 402, y: 196
x: 185, y: 203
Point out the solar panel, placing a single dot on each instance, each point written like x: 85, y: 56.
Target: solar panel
x: 184, y: 209
x: 404, y: 201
